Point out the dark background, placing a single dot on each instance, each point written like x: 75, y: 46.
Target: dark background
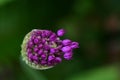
x: 95, y: 24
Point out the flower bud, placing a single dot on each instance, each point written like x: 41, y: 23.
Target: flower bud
x: 60, y: 32
x: 43, y: 49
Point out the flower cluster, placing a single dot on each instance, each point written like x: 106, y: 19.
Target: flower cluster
x: 43, y: 49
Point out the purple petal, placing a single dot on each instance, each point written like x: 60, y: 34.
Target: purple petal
x: 68, y: 56
x: 36, y: 49
x: 43, y: 56
x: 43, y: 41
x: 50, y: 58
x: 36, y: 41
x: 33, y: 37
x: 59, y: 47
x: 67, y: 49
x: 60, y: 32
x: 52, y: 50
x: 29, y: 50
x: 30, y: 44
x: 43, y: 62
x: 48, y: 33
x: 35, y: 58
x: 75, y: 45
x: 30, y: 55
x: 58, y: 59
x: 43, y: 35
x: 53, y: 37
x: 40, y: 45
x: 38, y: 32
x: 40, y: 52
x: 46, y: 47
x: 66, y: 42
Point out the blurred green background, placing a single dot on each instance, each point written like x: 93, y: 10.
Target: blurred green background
x: 95, y: 24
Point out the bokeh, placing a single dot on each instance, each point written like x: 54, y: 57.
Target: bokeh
x: 95, y: 24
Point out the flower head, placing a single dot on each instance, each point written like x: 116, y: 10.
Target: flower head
x: 43, y: 49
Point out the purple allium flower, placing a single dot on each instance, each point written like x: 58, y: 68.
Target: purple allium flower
x: 43, y: 49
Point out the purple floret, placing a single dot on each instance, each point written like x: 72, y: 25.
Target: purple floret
x: 66, y: 42
x: 45, y: 47
x: 68, y: 56
x: 67, y: 49
x: 60, y: 32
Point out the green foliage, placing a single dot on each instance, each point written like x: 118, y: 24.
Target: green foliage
x: 31, y: 73
x: 3, y: 2
x: 103, y: 73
